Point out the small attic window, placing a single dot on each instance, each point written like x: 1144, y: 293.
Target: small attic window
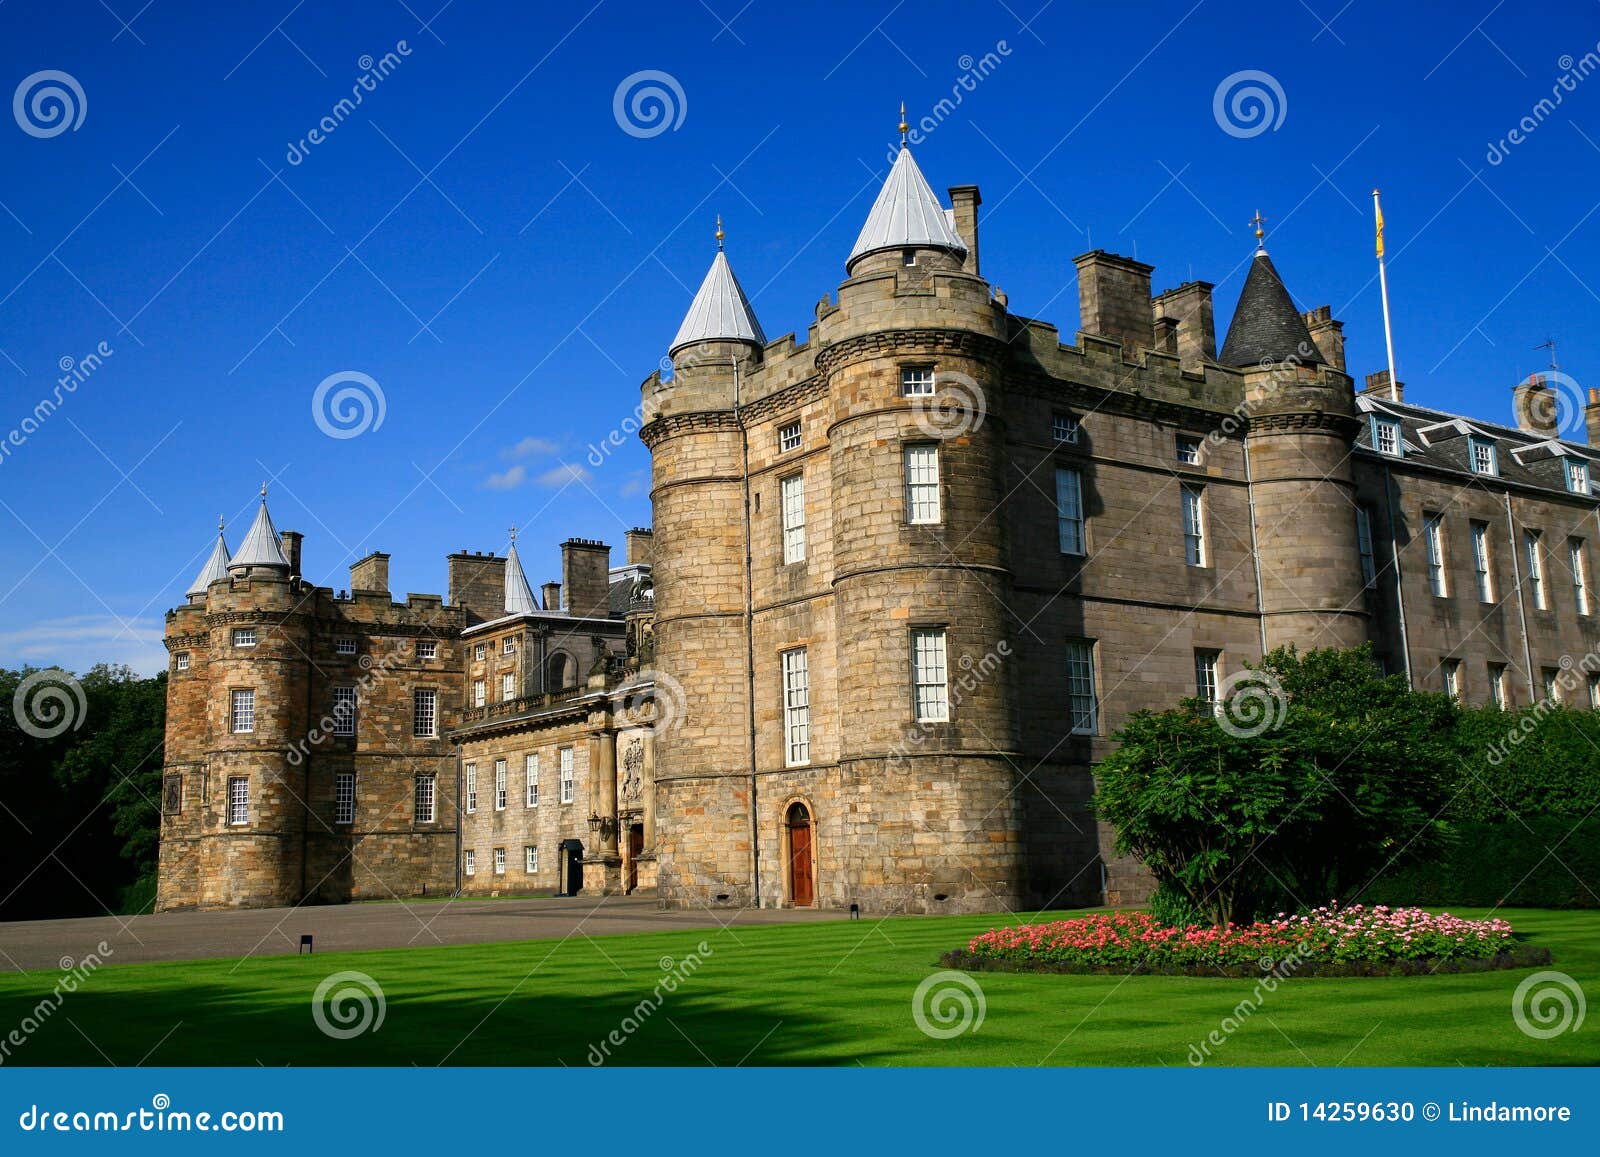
x: 182, y: 660
x: 1578, y: 481
x: 908, y: 257
x: 1386, y: 436
x: 1484, y: 458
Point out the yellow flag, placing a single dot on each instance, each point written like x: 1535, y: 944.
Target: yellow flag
x: 1378, y: 209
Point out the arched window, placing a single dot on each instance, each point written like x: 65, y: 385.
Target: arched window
x: 558, y: 672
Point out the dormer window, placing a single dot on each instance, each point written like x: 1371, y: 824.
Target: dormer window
x: 1484, y: 458
x: 1386, y: 436
x: 908, y: 257
x: 1578, y: 481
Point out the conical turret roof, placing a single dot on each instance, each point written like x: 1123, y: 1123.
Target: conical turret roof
x: 261, y: 545
x: 720, y: 311
x: 216, y: 567
x: 906, y: 215
x: 1266, y: 326
x: 519, y: 595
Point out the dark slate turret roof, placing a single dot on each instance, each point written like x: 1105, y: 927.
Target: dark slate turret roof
x: 1267, y: 327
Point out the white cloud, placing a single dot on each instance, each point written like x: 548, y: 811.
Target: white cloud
x: 564, y: 475
x: 530, y: 447
x: 79, y: 642
x: 507, y: 479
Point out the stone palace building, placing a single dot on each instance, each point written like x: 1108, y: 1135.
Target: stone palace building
x: 907, y: 577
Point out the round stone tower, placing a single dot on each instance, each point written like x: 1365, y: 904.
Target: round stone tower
x: 912, y: 358
x: 250, y: 849
x: 1301, y: 424
x: 698, y: 462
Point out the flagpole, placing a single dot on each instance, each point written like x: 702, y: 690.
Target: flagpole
x: 1383, y: 287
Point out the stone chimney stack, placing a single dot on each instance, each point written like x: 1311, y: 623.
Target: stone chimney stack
x: 550, y: 596
x: 1378, y: 387
x: 478, y: 583
x: 370, y: 574
x: 1114, y: 300
x: 1534, y: 405
x: 585, y: 572
x: 1187, y: 309
x: 1591, y: 416
x: 1328, y: 334
x: 641, y: 543
x: 290, y: 541
x: 964, y: 200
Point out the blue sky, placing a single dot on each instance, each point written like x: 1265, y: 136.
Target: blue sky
x: 483, y: 240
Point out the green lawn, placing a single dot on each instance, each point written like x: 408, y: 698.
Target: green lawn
x: 835, y: 993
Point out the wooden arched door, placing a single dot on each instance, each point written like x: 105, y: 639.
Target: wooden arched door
x: 802, y: 892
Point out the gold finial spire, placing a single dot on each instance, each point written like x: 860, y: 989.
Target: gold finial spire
x: 513, y: 535
x: 904, y: 127
x: 1258, y: 221
x: 263, y: 492
x: 719, y: 231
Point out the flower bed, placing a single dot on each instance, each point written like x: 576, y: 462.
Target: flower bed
x: 1350, y: 941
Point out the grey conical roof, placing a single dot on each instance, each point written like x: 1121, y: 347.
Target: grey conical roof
x: 216, y: 567
x: 720, y: 311
x: 1266, y: 326
x: 261, y: 546
x: 519, y: 595
x: 906, y: 215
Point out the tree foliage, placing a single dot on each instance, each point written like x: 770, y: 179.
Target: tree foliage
x: 79, y: 811
x: 1345, y: 777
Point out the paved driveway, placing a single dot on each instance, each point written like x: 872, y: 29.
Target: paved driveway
x: 348, y: 927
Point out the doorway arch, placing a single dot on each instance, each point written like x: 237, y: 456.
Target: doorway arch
x: 800, y: 859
